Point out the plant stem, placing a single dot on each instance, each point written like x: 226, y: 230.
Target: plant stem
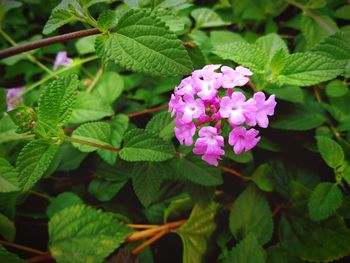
x: 148, y: 242
x: 323, y: 24
x: 94, y: 81
x: 134, y: 114
x: 24, y: 248
x: 47, y: 41
x: 47, y: 78
x: 42, y: 195
x: 153, y: 231
x: 97, y: 145
x: 140, y: 226
x: 231, y: 171
x: 29, y: 57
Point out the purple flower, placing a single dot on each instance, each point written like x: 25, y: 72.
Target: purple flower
x: 209, y: 144
x: 185, y: 87
x: 174, y: 103
x: 236, y: 109
x: 264, y: 108
x: 12, y: 93
x: 232, y: 78
x: 62, y: 60
x: 242, y: 139
x: 206, y: 81
x: 184, y: 132
x: 191, y: 108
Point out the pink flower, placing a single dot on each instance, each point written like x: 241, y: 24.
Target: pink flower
x: 236, y: 109
x: 191, y: 108
x: 242, y: 139
x: 185, y: 87
x: 12, y: 93
x: 207, y: 81
x: 174, y: 103
x: 264, y: 108
x: 209, y: 144
x: 184, y: 132
x: 62, y: 60
x: 232, y: 78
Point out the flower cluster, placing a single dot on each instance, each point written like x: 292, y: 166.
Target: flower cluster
x: 206, y: 98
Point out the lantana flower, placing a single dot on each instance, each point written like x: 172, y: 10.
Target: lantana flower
x: 11, y: 94
x: 62, y: 60
x: 198, y: 104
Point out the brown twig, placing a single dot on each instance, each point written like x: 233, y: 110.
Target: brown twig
x: 24, y: 248
x: 153, y: 231
x: 158, y: 108
x: 277, y: 209
x: 231, y: 171
x: 148, y: 242
x: 46, y: 42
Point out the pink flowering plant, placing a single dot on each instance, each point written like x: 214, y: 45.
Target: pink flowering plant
x: 207, y: 100
x: 223, y: 125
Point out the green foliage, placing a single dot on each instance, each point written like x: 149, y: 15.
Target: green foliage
x: 251, y: 215
x: 57, y: 100
x: 142, y: 145
x: 80, y: 233
x: 325, y: 199
x: 196, y: 232
x: 206, y: 17
x: 62, y: 201
x: 163, y: 125
x: 6, y: 256
x: 192, y: 168
x: 247, y: 250
x: 8, y: 177
x: 331, y: 152
x: 33, y: 161
x: 130, y: 38
x: 262, y: 177
x: 6, y: 6
x: 109, y: 87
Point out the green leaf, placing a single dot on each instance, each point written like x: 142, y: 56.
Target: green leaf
x: 142, y: 145
x: 7, y: 228
x: 85, y: 45
x: 206, y: 17
x: 306, y: 69
x: 57, y: 100
x: 8, y: 177
x: 251, y: 214
x: 104, y: 190
x: 300, y: 118
x: 89, y: 108
x: 343, y: 12
x: 196, y: 232
x: 271, y: 44
x: 8, y: 257
x: 109, y: 87
x: 81, y: 234
x: 312, y: 31
x: 263, y: 178
x: 335, y: 46
x: 247, y: 250
x: 336, y: 88
x: 194, y: 169
x: 33, y: 161
x: 174, y: 22
x: 325, y: 199
x: 163, y: 125
x: 8, y: 130
x: 107, y: 20
x: 62, y: 201
x: 331, y: 152
x: 147, y: 179
x: 58, y: 18
x: 287, y: 92
x: 6, y: 6
x: 244, y: 54
x: 94, y: 132
x: 143, y: 43
x: 221, y: 37
x: 277, y: 254
x: 315, y: 241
